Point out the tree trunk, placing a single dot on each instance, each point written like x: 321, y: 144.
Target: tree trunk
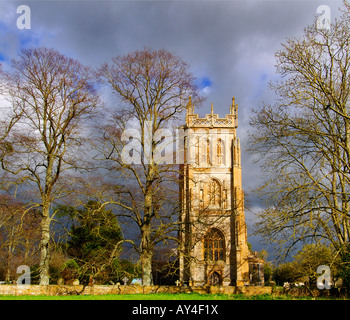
x: 44, y: 247
x: 146, y: 256
x: 146, y: 243
x: 9, y: 263
x: 45, y: 225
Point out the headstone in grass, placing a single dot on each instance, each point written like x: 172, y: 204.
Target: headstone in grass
x: 125, y: 280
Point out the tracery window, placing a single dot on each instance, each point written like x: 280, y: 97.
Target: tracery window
x: 214, y: 245
x: 215, y: 193
x: 207, y: 152
x: 220, y: 151
x: 196, y: 147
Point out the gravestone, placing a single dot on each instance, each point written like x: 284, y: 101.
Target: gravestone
x: 125, y: 280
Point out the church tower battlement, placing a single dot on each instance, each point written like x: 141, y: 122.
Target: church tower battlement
x: 213, y: 239
x: 211, y: 120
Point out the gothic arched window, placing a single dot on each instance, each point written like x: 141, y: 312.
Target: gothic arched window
x: 215, y: 193
x: 214, y: 245
x: 220, y: 151
x: 196, y: 151
x: 207, y: 152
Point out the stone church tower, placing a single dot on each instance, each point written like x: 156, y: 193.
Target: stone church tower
x: 214, y: 237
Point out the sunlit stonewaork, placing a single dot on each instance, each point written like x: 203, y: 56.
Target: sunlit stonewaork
x: 214, y: 237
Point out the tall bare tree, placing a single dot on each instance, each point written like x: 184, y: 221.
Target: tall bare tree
x: 54, y: 95
x: 152, y: 88
x: 304, y: 139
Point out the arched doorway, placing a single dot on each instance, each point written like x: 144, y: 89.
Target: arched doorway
x: 214, y: 279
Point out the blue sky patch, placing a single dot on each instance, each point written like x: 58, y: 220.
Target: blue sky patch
x: 263, y: 77
x: 205, y: 83
x: 3, y: 26
x: 27, y: 40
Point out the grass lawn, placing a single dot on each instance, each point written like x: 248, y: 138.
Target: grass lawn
x: 158, y: 296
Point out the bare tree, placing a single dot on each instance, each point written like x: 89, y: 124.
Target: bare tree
x: 152, y: 88
x: 304, y: 140
x: 54, y: 95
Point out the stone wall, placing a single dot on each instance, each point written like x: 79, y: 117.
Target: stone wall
x: 120, y: 289
x: 312, y: 292
x: 53, y: 290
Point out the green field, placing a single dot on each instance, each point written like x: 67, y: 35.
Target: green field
x: 160, y: 296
